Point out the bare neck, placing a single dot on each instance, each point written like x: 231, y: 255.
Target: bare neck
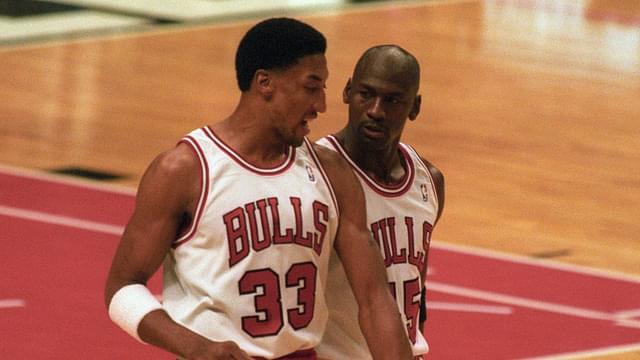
x: 249, y: 132
x: 383, y: 165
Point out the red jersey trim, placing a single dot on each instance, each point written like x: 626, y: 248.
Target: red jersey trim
x: 381, y: 189
x: 278, y: 169
x: 204, y: 190
x: 315, y: 158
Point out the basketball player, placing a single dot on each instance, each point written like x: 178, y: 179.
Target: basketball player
x: 404, y: 195
x: 244, y: 214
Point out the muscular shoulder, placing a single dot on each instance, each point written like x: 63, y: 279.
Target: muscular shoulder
x: 180, y: 160
x: 343, y: 180
x: 336, y: 166
x: 177, y: 164
x: 173, y: 173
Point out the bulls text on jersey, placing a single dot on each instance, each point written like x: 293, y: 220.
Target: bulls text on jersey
x: 385, y: 234
x: 243, y: 234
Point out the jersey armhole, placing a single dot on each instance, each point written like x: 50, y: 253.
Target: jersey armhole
x: 186, y: 234
x: 418, y: 158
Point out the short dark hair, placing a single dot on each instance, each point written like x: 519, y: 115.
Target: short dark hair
x: 275, y: 43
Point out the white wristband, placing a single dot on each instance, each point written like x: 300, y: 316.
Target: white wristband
x: 129, y: 305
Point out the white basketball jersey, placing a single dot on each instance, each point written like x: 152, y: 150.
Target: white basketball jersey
x: 401, y: 219
x: 252, y: 266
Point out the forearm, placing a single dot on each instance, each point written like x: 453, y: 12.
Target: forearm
x: 384, y: 331
x: 157, y: 328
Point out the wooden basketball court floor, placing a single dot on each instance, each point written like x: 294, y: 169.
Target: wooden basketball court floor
x: 531, y: 108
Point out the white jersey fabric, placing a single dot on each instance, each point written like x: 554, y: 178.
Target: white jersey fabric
x: 401, y: 219
x: 252, y: 265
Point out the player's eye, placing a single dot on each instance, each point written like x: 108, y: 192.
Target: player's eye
x: 365, y: 94
x: 392, y: 100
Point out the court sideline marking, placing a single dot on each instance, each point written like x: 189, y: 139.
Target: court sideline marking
x: 12, y: 303
x: 60, y: 220
x: 532, y: 304
x: 589, y: 353
x: 465, y: 249
x: 623, y: 318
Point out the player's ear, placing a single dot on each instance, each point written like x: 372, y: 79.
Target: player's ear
x: 263, y: 81
x: 346, y: 91
x: 415, y: 109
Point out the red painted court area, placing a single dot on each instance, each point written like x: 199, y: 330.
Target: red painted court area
x: 58, y: 238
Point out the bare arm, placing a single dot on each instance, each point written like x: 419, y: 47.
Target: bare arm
x: 378, y: 314
x: 167, y: 195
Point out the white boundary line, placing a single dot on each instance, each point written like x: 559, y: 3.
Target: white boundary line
x: 431, y: 285
x: 61, y: 220
x: 465, y: 249
x: 568, y: 310
x: 12, y: 303
x: 475, y: 308
x: 589, y: 353
x: 530, y: 303
x: 626, y: 314
x: 471, y: 250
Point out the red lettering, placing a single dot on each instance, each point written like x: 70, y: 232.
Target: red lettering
x: 414, y: 259
x: 297, y: 213
x: 264, y: 219
x: 398, y: 258
x: 278, y: 238
x: 244, y: 233
x: 320, y: 218
x: 236, y: 235
x: 379, y: 231
x: 256, y: 243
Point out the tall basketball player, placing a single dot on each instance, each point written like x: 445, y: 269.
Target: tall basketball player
x: 404, y: 195
x: 245, y: 214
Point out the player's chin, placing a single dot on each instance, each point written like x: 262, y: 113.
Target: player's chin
x: 300, y: 133
x: 372, y: 138
x: 296, y: 139
x: 297, y: 142
x: 373, y: 143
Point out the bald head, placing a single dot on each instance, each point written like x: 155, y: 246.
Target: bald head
x: 390, y: 62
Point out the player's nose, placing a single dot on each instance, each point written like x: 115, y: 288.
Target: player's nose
x: 376, y: 109
x: 321, y: 103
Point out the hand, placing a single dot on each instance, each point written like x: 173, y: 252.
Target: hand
x: 226, y: 350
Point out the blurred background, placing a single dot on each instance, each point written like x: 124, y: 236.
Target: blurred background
x: 531, y: 109
x: 33, y: 20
